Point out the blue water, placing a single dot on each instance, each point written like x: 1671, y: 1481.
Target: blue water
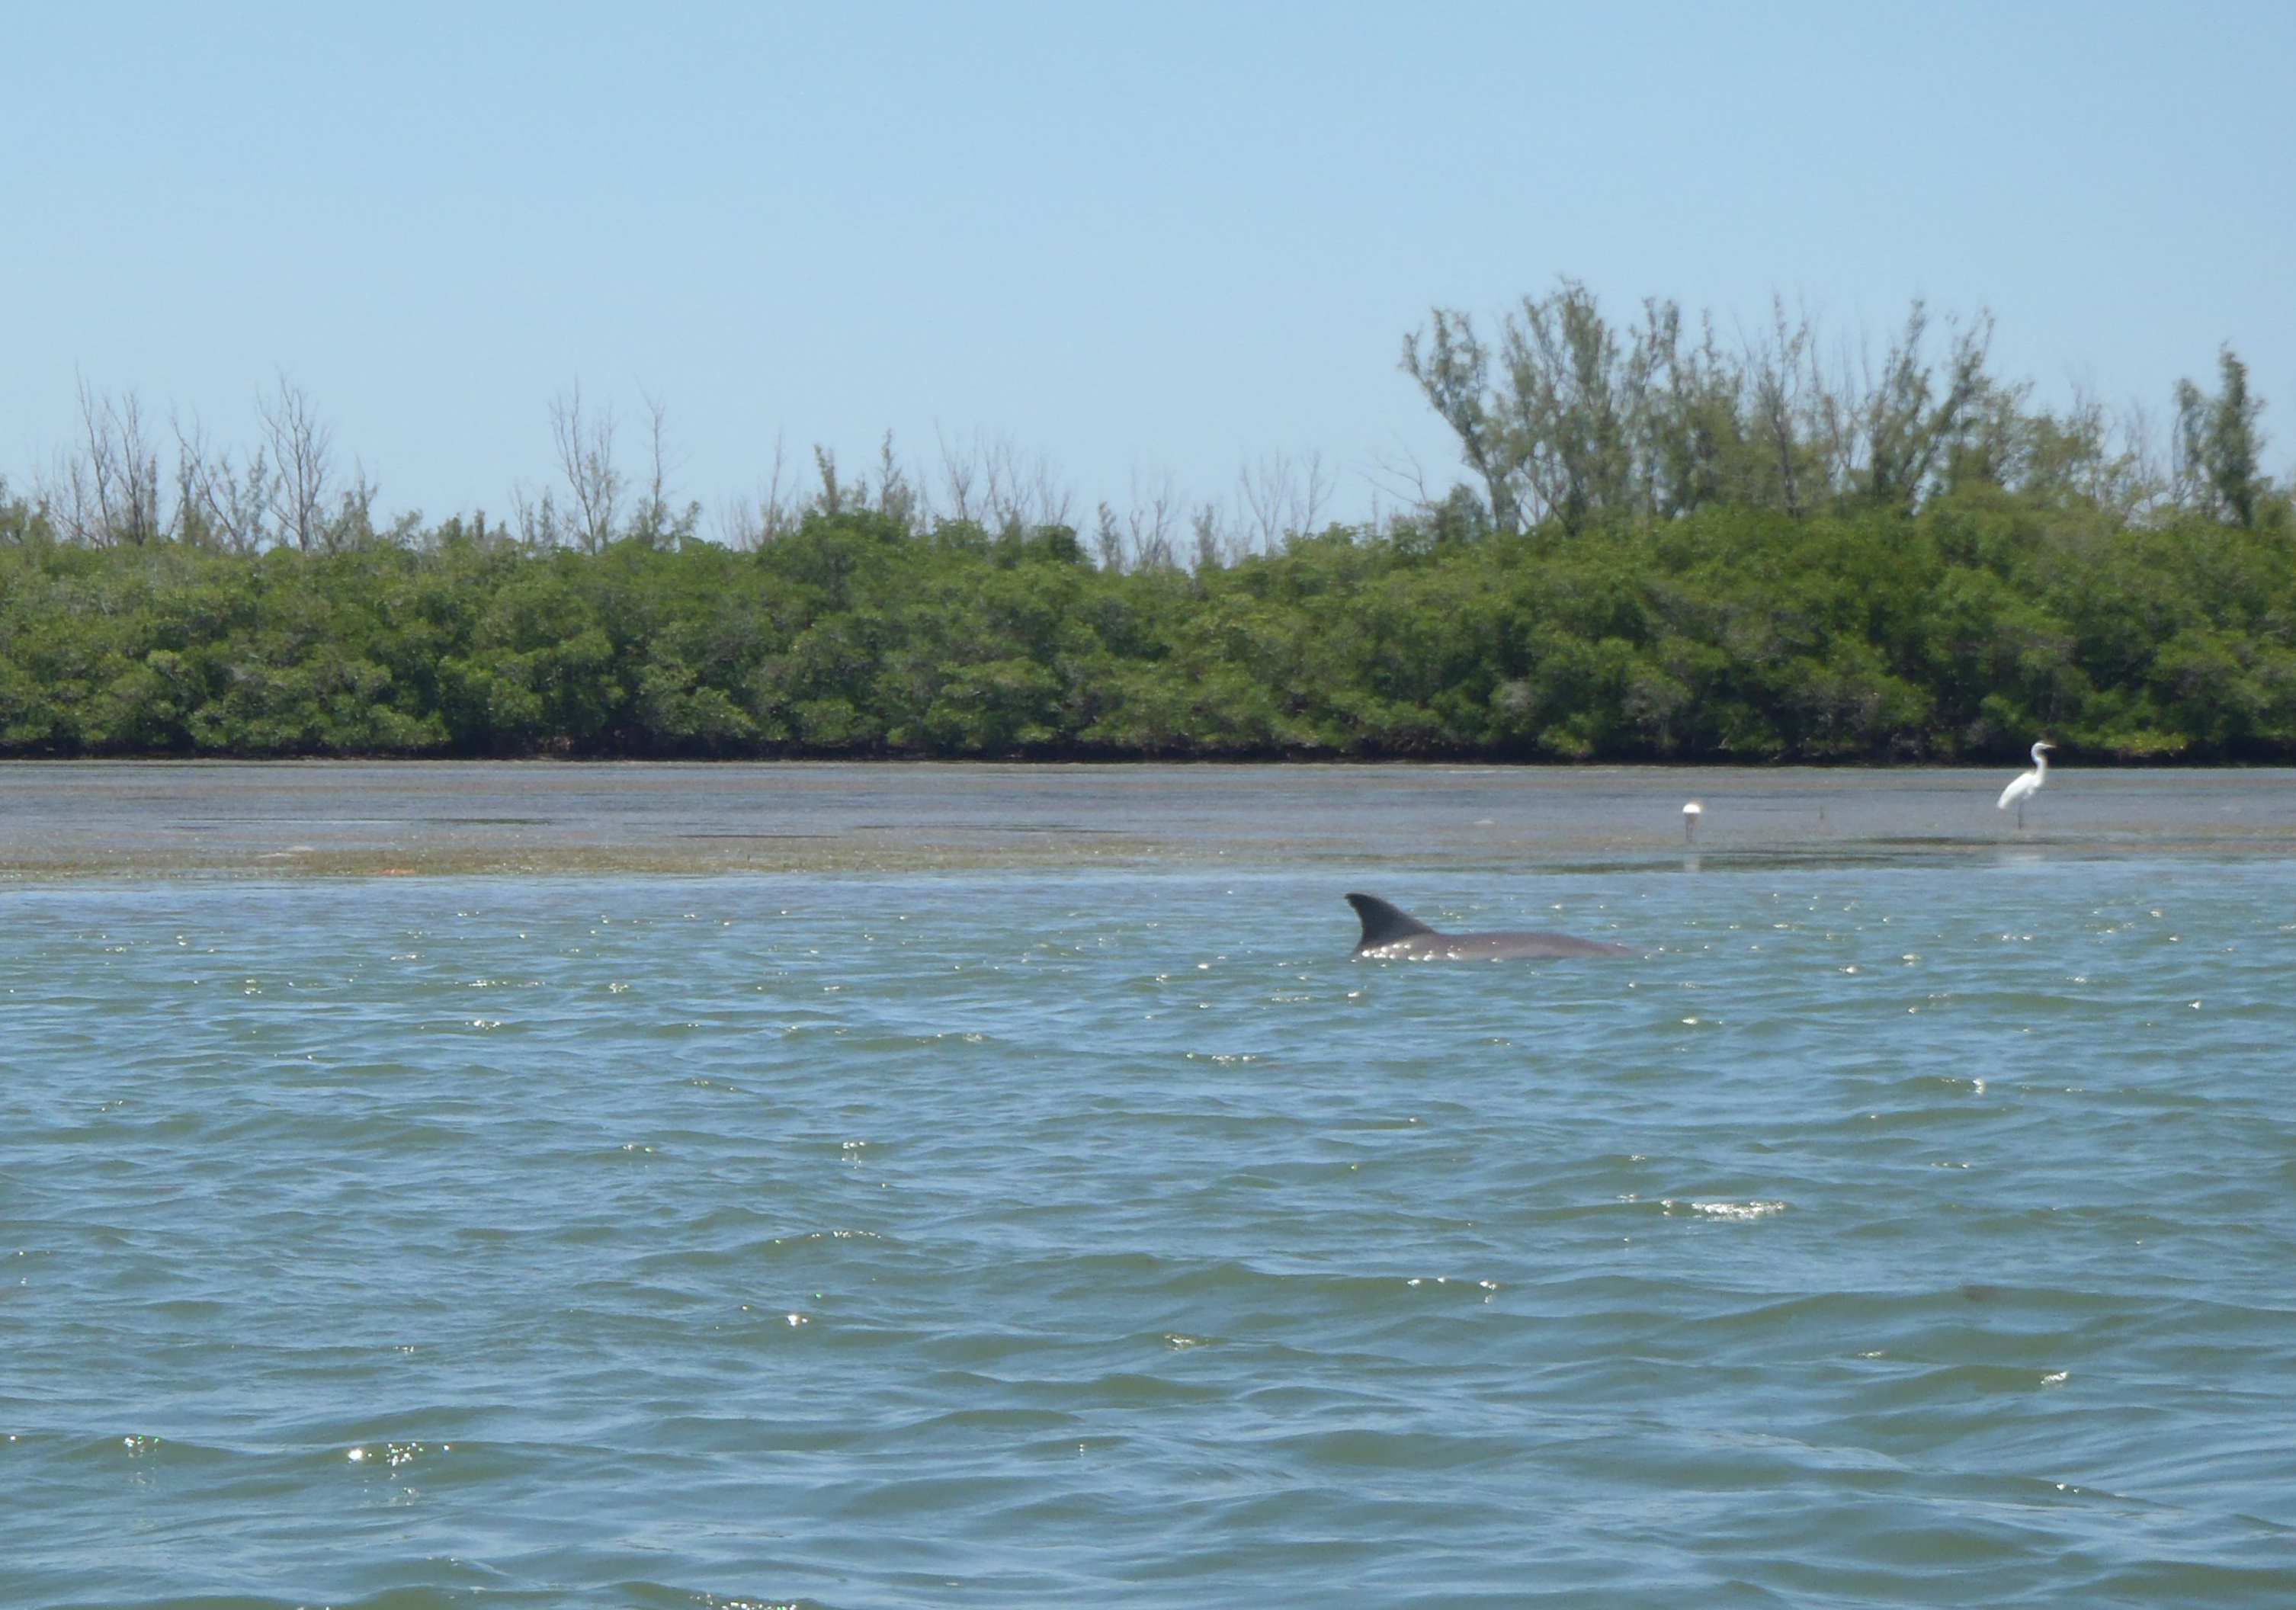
x: 1889, y: 1234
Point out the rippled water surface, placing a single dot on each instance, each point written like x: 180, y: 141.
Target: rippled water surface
x: 1907, y: 1225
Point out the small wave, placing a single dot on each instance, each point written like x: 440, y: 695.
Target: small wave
x: 1736, y: 1209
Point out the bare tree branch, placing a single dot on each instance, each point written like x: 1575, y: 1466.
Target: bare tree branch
x: 302, y: 459
x: 585, y: 450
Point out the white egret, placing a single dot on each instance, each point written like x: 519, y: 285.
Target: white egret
x: 1690, y: 815
x: 2024, y: 787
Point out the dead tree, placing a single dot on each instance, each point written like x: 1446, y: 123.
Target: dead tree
x: 301, y: 449
x: 584, y: 446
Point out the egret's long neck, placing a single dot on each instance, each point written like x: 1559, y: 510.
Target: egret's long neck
x: 2040, y: 763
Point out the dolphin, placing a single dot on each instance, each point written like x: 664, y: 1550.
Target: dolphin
x: 1392, y: 935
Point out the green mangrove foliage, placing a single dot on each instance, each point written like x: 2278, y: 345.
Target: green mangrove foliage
x: 1670, y: 549
x: 1958, y: 630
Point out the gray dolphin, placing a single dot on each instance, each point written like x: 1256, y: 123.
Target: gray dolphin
x: 1389, y: 934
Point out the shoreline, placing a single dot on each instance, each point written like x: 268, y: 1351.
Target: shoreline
x: 74, y: 820
x: 1239, y: 762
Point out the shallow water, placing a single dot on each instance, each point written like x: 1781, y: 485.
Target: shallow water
x: 174, y: 819
x: 1907, y: 1227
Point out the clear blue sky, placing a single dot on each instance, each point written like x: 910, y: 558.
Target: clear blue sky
x: 1133, y: 238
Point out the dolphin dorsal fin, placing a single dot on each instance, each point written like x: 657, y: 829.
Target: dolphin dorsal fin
x: 1383, y: 923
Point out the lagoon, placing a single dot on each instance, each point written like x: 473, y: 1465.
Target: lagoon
x: 903, y: 1186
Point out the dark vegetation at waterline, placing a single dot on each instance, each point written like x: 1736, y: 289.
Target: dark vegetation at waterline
x: 1667, y: 549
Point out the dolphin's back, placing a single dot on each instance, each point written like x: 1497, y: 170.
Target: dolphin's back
x: 1515, y: 947
x: 1390, y: 934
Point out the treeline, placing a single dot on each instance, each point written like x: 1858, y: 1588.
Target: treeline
x: 1668, y: 551
x: 1963, y: 629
